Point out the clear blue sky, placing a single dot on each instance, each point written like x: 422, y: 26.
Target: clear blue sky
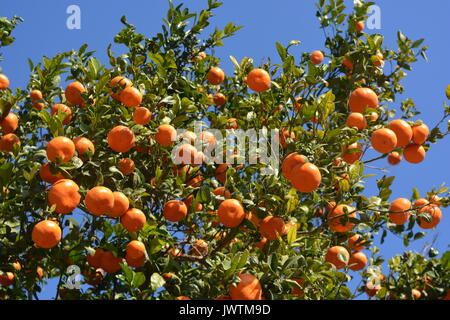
x: 44, y: 32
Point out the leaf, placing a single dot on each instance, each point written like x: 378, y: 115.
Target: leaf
x: 281, y: 51
x: 156, y: 281
x: 447, y: 92
x: 138, y: 280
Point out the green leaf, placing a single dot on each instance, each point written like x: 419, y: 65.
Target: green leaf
x: 138, y: 280
x: 447, y: 92
x: 156, y: 281
x: 281, y: 51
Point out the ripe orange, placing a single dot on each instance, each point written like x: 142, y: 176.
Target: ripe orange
x: 379, y: 59
x: 373, y: 116
x: 196, y: 181
x: 436, y: 216
x: 73, y: 93
x: 46, y: 234
x: 290, y: 162
x: 258, y: 80
x: 420, y: 133
x: 199, y: 248
x: 110, y: 263
x: 126, y: 166
x: 188, y: 136
x: 354, y: 242
x: 260, y: 244
x: 337, y: 219
x: 38, y: 106
x: 165, y: 135
x: 362, y: 98
x: 305, y: 177
x: 47, y: 176
x: 284, y: 135
x: 95, y: 261
x: 335, y: 255
x: 357, y: 120
x: 394, y: 158
x: 64, y: 194
x: 414, y: 153
x: 371, y: 289
x: 121, y: 139
x: 188, y: 202
x: 248, y: 288
x: 402, y: 130
x: 232, y: 123
x: 186, y: 153
x: 183, y: 298
x: 142, y: 115
x: 200, y: 56
x: 316, y: 57
x: 94, y: 278
x: 400, y: 204
x: 133, y: 220
x: 347, y: 63
x: 270, y: 227
x: 117, y: 84
x: 7, y: 279
x: 57, y: 108
x: 421, y: 202
x: 208, y: 137
x: 131, y: 97
x: 9, y: 123
x: 221, y: 172
x: 36, y: 95
x: 231, y: 213
x: 135, y: 263
x: 216, y: 76
x: 360, y: 26
x: 357, y: 261
x: 4, y: 82
x: 416, y: 294
x: 351, y: 157
x: 175, y: 210
x: 82, y: 145
x: 136, y: 249
x: 221, y: 191
x: 99, y: 200
x: 384, y: 140
x: 8, y: 141
x: 121, y: 205
x: 61, y: 148
x: 219, y: 99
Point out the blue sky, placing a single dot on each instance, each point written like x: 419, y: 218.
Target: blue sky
x: 44, y: 32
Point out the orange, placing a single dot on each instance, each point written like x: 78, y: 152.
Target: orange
x: 232, y: 123
x: 414, y: 153
x: 260, y: 244
x: 354, y: 242
x: 400, y: 204
x: 357, y: 120
x: 420, y: 133
x: 38, y: 106
x: 216, y: 76
x: 231, y: 213
x: 360, y: 26
x: 284, y: 135
x: 421, y: 202
x: 64, y: 194
x: 82, y: 145
x: 99, y: 200
x: 378, y: 59
x: 347, y: 63
x: 189, y: 200
x: 133, y: 220
x: 188, y: 136
x: 121, y: 205
x: 131, y: 97
x: 371, y: 289
x: 207, y: 137
x: 200, y: 56
x: 196, y: 181
x: 60, y: 148
x: 47, y: 176
x: 416, y: 294
x: 183, y: 298
x: 219, y: 99
x: 394, y: 158
x: 373, y: 116
x: 136, y: 249
x: 290, y: 162
x: 36, y: 95
x: 46, y: 234
x: 126, y: 166
x: 199, y: 247
x: 297, y: 291
x: 270, y: 227
x: 436, y: 216
x: 135, y: 263
x: 121, y: 139
x: 7, y: 279
x: 221, y: 191
x: 8, y: 141
x: 187, y: 154
x: 258, y: 80
x: 174, y: 252
x: 362, y: 98
x: 336, y: 254
x: 305, y: 177
x: 337, y: 219
x: 221, y: 172
x: 175, y: 210
x: 357, y: 261
x: 402, y: 130
x: 142, y: 116
x: 57, y: 108
x: 4, y: 82
x: 110, y: 263
x: 17, y: 266
x: 351, y: 157
x: 9, y: 123
x: 117, y: 84
x: 95, y: 261
x: 248, y: 288
x: 73, y: 93
x: 94, y: 278
x: 165, y: 135
x: 316, y: 57
x: 384, y: 140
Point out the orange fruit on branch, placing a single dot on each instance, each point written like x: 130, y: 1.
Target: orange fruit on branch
x: 356, y: 119
x: 99, y: 200
x: 60, y: 148
x: 121, y: 139
x: 398, y: 211
x: 357, y: 261
x: 316, y: 57
x: 216, y: 76
x: 305, y: 177
x: 117, y: 84
x: 337, y: 219
x: 131, y: 97
x: 9, y: 123
x: 64, y: 194
x: 126, y: 166
x: 135, y: 249
x: 271, y: 227
x: 420, y: 133
x: 4, y: 82
x: 362, y: 98
x: 338, y: 256
x: 402, y: 130
x: 47, y: 176
x: 133, y: 220
x: 142, y: 116
x: 8, y: 141
x: 82, y: 145
x: 46, y: 234
x: 57, y: 108
x: 414, y: 153
x: 121, y: 205
x: 258, y: 80
x: 248, y: 288
x: 175, y: 210
x: 73, y: 93
x: 384, y: 140
x: 231, y: 213
x: 165, y: 135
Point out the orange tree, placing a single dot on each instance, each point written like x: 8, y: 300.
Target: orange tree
x: 88, y: 180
